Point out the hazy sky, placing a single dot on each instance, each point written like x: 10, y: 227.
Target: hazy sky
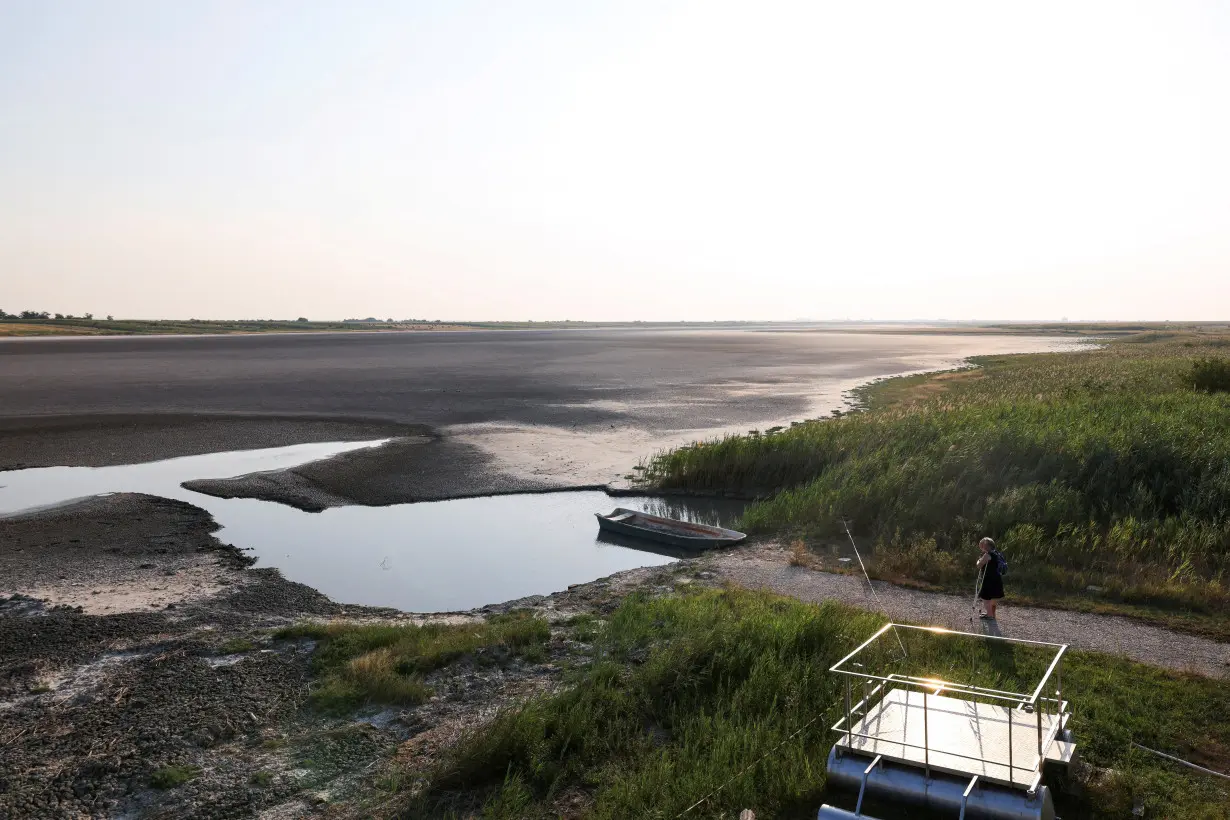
x: 620, y: 160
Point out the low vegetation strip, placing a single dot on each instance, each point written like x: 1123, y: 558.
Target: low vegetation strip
x: 1107, y: 468
x: 41, y: 324
x: 360, y: 664
x: 706, y: 693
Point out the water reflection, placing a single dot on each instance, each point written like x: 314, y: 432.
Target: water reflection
x: 716, y: 512
x: 643, y: 544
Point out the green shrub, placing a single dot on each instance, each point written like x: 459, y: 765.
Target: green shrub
x: 1212, y: 375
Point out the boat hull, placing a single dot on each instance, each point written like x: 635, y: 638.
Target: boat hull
x: 683, y: 534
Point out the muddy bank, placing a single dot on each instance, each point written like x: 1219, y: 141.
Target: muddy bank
x: 104, y: 440
x: 119, y: 553
x: 165, y: 695
x: 534, y: 399
x: 405, y: 470
x: 117, y: 617
x: 477, y: 413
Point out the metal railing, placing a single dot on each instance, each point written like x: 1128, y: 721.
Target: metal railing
x: 1033, y: 702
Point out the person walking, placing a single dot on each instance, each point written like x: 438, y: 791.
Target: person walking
x: 991, y: 565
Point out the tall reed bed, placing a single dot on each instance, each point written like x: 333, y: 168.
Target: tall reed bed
x: 1095, y: 467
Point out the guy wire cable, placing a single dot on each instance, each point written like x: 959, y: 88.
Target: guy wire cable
x: 870, y: 586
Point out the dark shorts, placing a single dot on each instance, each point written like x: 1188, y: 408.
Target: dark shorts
x: 992, y: 588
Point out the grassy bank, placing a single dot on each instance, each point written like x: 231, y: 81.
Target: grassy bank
x: 384, y: 664
x: 1102, y: 468
x: 726, y: 693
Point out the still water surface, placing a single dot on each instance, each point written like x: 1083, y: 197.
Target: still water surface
x: 428, y: 557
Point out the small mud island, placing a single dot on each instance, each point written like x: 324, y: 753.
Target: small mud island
x: 147, y: 670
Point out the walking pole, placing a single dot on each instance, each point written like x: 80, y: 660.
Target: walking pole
x: 977, y: 588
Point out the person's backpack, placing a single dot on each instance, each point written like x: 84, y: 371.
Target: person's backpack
x: 1001, y: 563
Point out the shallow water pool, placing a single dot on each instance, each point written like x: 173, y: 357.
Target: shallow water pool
x: 428, y: 557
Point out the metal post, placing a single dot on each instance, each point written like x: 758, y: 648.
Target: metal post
x: 858, y: 808
x: 1059, y: 692
x: 926, y: 740
x: 1010, y: 711
x: 849, y: 728
x: 965, y: 797
x: 1038, y: 713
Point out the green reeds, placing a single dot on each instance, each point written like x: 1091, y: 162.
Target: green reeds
x: 1103, y: 465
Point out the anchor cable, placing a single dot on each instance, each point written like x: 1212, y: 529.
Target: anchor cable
x: 1189, y: 764
x: 750, y: 766
x: 871, y: 586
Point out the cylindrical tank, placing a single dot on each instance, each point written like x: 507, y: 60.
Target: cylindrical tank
x: 908, y: 786
x: 828, y: 812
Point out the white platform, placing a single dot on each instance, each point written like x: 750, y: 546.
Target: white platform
x: 963, y: 737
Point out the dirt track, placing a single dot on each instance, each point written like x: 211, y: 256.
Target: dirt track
x: 766, y: 566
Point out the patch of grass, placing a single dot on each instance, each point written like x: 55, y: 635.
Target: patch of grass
x: 385, y: 663
x: 170, y: 777
x: 392, y: 781
x: 1212, y: 375
x: 801, y: 556
x: 585, y: 626
x: 1099, y: 467
x: 261, y: 779
x: 234, y: 646
x: 686, y: 691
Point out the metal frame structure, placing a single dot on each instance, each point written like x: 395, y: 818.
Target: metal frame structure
x: 852, y: 724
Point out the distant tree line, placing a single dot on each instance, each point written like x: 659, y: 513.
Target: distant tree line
x: 42, y: 315
x: 35, y: 315
x: 390, y: 321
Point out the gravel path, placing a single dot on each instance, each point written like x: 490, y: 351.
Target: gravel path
x: 768, y: 569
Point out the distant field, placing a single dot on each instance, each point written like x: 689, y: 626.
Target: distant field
x: 39, y: 329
